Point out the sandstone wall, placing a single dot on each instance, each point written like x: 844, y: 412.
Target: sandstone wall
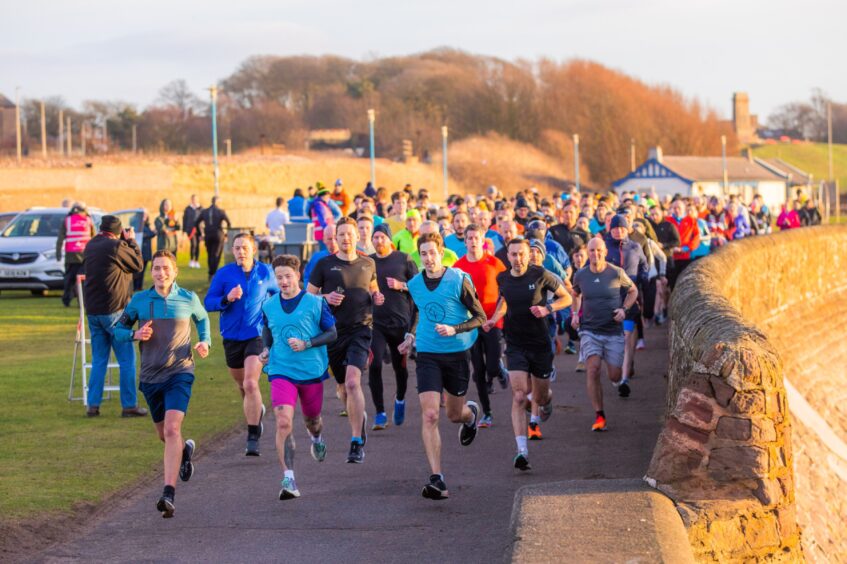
x: 759, y: 317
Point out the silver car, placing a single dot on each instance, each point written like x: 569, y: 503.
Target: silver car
x: 28, y: 250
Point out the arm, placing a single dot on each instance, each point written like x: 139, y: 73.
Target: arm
x: 216, y: 298
x: 63, y: 231
x: 659, y: 254
x: 499, y: 311
x: 327, y: 325
x: 123, y: 328
x: 128, y: 256
x: 201, y: 321
x: 470, y: 301
x: 225, y: 219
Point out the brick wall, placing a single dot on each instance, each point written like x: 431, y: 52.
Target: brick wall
x: 756, y: 312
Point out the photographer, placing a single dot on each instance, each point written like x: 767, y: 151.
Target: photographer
x: 112, y: 257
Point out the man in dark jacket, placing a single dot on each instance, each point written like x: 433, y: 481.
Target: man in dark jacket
x: 566, y: 233
x: 112, y: 257
x: 190, y: 215
x: 210, y: 223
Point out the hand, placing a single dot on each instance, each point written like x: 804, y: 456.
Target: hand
x: 128, y: 234
x: 235, y: 294
x: 334, y: 298
x: 488, y: 325
x: 145, y: 332
x: 395, y: 284
x: 540, y: 311
x: 297, y: 345
x: 663, y: 280
x: 265, y: 356
x: 406, y: 346
x: 620, y: 314
x: 575, y: 322
x: 445, y: 330
x: 379, y: 298
x: 676, y: 250
x: 202, y: 349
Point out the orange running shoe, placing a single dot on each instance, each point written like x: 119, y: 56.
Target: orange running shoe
x: 534, y: 432
x: 599, y: 424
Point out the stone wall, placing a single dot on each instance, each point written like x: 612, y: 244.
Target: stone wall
x: 759, y: 313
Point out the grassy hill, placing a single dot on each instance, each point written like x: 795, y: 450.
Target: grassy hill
x: 810, y: 157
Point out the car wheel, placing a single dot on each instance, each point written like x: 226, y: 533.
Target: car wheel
x: 38, y: 292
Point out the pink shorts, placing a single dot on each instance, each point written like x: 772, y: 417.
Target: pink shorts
x: 285, y: 392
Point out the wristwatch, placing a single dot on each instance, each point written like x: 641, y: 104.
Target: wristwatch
x: 308, y: 343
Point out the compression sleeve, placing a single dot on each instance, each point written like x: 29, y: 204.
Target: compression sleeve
x: 470, y: 301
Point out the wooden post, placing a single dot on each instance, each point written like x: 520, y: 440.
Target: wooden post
x: 61, y: 140
x: 70, y: 137
x: 43, y: 132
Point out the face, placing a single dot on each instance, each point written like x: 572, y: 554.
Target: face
x: 287, y: 279
x: 382, y: 244
x: 601, y: 213
x: 243, y: 250
x: 620, y: 233
x: 536, y: 257
x: 399, y: 206
x: 431, y: 257
x: 483, y: 218
x: 445, y: 225
x: 164, y: 272
x: 568, y: 215
x: 596, y: 251
x: 519, y: 257
x: 167, y: 206
x: 366, y: 229
x: 368, y: 206
x: 460, y: 221
x: 347, y: 236
x: 583, y: 223
x: 580, y: 257
x: 508, y: 230
x: 330, y: 240
x: 195, y: 200
x: 522, y: 212
x: 473, y: 241
x: 413, y: 224
x: 678, y: 208
x: 656, y: 214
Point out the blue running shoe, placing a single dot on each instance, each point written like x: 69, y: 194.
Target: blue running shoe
x: 380, y: 421
x: 399, y: 412
x: 289, y: 489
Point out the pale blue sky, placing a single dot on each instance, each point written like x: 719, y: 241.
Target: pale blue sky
x: 777, y: 50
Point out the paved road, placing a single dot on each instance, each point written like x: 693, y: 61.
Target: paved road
x: 374, y: 512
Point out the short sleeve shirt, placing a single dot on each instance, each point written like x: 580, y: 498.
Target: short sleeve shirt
x: 522, y: 328
x: 351, y: 278
x: 602, y: 293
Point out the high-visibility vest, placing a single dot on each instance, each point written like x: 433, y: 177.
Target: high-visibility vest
x: 77, y: 232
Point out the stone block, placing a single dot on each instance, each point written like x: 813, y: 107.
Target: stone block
x: 768, y: 491
x: 764, y: 430
x: 738, y: 463
x: 786, y: 518
x: 734, y: 428
x: 722, y: 391
x: 680, y: 428
x: 762, y: 531
x: 726, y: 536
x: 694, y: 409
x: 748, y: 402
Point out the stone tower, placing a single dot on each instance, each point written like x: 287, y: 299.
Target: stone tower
x: 743, y: 122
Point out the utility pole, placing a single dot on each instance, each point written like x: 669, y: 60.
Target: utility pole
x: 213, y: 93
x: 82, y: 128
x: 106, y: 134
x: 576, y: 161
x: 371, y: 119
x: 444, y: 157
x: 43, y: 132
x: 134, y: 138
x: 61, y: 139
x: 70, y: 136
x: 632, y: 155
x: 723, y: 164
x: 18, y: 122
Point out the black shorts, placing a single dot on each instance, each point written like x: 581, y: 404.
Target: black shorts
x: 538, y: 363
x: 237, y: 351
x: 447, y: 371
x: 350, y: 349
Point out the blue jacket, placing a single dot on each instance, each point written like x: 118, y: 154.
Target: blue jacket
x: 297, y: 210
x: 627, y: 254
x: 241, y: 320
x: 556, y: 250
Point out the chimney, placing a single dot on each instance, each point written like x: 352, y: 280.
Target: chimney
x: 655, y: 153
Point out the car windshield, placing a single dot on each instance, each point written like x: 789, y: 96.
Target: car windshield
x: 34, y: 225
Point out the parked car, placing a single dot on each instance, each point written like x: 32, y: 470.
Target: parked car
x: 5, y: 218
x: 28, y: 250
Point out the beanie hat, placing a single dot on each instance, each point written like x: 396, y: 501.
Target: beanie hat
x: 539, y: 245
x: 383, y: 228
x: 619, y: 221
x: 111, y: 224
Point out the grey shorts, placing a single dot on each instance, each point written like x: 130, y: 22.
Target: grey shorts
x: 608, y: 347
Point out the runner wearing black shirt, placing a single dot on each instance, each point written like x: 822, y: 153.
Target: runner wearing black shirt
x: 523, y: 301
x: 347, y: 281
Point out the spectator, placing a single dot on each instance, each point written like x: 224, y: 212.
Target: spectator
x: 341, y: 197
x: 809, y: 214
x: 167, y: 228
x: 189, y: 221
x: 147, y: 236
x: 277, y: 218
x: 212, y: 220
x: 297, y: 207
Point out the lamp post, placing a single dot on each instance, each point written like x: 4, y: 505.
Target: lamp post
x: 576, y: 160
x: 444, y: 157
x: 213, y: 92
x: 371, y: 120
x: 723, y: 164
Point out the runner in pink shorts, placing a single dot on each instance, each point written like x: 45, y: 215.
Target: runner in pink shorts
x: 297, y: 328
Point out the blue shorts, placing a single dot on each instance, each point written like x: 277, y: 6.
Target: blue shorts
x: 173, y: 393
x: 628, y: 326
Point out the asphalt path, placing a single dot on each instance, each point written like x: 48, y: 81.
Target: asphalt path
x: 374, y: 512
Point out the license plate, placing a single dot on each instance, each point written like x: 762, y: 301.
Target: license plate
x: 6, y: 273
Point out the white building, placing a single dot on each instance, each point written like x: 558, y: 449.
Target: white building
x: 704, y: 176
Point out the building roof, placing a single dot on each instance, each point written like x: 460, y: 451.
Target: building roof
x: 711, y: 168
x: 5, y: 102
x: 781, y: 167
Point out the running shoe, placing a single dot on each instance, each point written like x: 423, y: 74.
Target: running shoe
x: 252, y: 448
x: 580, y: 367
x: 522, y: 462
x: 571, y: 348
x: 435, y: 489
x: 166, y: 506
x: 380, y: 422
x: 289, y: 489
x: 599, y: 424
x: 467, y: 431
x: 399, y: 412
x: 186, y: 468
x: 545, y: 411
x: 357, y: 453
x: 486, y: 421
x: 640, y: 345
x: 553, y: 374
x: 261, y: 425
x: 533, y: 432
x: 503, y: 376
x: 364, y: 428
x: 319, y: 450
x: 623, y: 389
x: 342, y: 413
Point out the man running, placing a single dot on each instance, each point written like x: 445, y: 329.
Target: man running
x: 597, y: 294
x: 297, y: 328
x: 449, y: 313
x: 456, y: 240
x: 449, y: 258
x: 483, y: 269
x: 529, y: 354
x: 238, y: 291
x: 347, y: 281
x: 164, y: 314
x: 392, y: 321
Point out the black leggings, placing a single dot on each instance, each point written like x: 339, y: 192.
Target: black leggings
x: 195, y: 248
x: 485, y: 357
x: 214, y: 250
x: 392, y: 338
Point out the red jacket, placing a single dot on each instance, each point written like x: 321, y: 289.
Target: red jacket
x: 689, y: 236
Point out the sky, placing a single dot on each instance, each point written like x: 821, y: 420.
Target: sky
x: 776, y: 50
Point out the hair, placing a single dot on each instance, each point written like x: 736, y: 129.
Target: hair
x: 244, y: 235
x: 346, y: 220
x: 518, y: 241
x: 279, y: 201
x: 298, y: 192
x: 431, y: 238
x: 474, y: 227
x: 287, y: 260
x: 461, y: 212
x: 580, y: 247
x: 164, y: 253
x: 214, y: 200
x: 397, y: 195
x: 365, y: 217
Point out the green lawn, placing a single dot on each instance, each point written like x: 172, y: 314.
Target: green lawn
x: 51, y: 455
x: 810, y: 157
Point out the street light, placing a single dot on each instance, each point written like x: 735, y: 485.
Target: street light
x: 576, y: 160
x: 444, y: 157
x: 213, y: 93
x: 371, y: 119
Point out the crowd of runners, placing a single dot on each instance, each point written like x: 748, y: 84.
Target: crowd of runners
x: 488, y: 288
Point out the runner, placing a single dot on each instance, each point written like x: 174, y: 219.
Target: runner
x: 597, y: 297
x: 238, y: 291
x: 449, y: 258
x: 297, y: 328
x: 456, y: 240
x: 449, y: 311
x: 483, y: 269
x: 164, y: 314
x: 347, y: 281
x: 406, y: 240
x: 529, y: 355
x: 391, y: 323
